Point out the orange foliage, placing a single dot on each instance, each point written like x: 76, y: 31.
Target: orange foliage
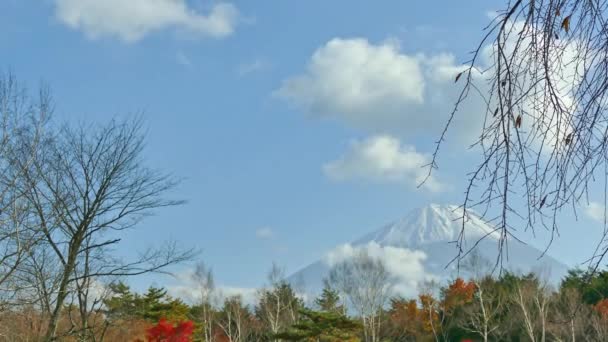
x: 405, y: 315
x: 429, y: 312
x: 127, y: 330
x: 220, y: 336
x: 459, y: 293
x: 601, y: 307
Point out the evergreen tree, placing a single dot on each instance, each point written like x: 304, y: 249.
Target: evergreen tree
x: 324, y: 326
x: 329, y: 300
x: 122, y: 303
x: 156, y: 304
x: 592, y: 285
x: 152, y: 306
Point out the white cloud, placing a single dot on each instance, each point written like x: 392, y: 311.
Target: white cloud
x: 99, y: 290
x: 256, y: 65
x: 541, y: 125
x: 190, y: 293
x: 595, y: 211
x: 382, y: 158
x: 187, y: 289
x: 264, y: 233
x: 133, y: 19
x: 249, y: 295
x: 405, y: 266
x: 378, y: 88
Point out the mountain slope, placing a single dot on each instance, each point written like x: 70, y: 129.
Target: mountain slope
x: 432, y: 231
x: 431, y: 224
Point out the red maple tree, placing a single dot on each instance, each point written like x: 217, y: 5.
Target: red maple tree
x: 165, y: 331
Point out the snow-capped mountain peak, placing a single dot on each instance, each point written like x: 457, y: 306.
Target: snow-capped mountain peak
x: 418, y: 246
x: 431, y: 224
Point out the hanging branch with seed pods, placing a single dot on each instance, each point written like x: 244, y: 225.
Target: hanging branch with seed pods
x: 545, y: 134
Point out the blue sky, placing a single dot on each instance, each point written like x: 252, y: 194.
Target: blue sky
x: 235, y: 96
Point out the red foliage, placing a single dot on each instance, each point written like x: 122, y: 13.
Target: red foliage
x: 602, y: 308
x: 167, y: 332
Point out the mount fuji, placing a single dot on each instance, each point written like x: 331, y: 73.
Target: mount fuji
x: 420, y: 247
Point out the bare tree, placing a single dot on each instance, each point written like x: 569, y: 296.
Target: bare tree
x: 532, y: 297
x: 84, y: 187
x: 488, y: 303
x: 571, y: 318
x: 20, y: 115
x: 36, y: 282
x: 86, y: 310
x: 203, y: 278
x: 541, y: 69
x: 366, y: 283
x: 87, y: 296
x: 432, y: 309
x: 235, y: 320
x: 598, y: 327
x: 483, y: 316
x: 278, y: 305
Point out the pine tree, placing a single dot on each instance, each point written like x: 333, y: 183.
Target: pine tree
x: 329, y: 300
x: 122, y: 303
x: 323, y: 326
x: 157, y: 304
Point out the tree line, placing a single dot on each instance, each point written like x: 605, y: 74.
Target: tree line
x: 359, y: 302
x: 506, y: 307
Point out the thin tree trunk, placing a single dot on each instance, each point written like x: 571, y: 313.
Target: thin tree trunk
x: 51, y: 332
x: 527, y: 321
x: 572, y: 330
x: 485, y: 316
